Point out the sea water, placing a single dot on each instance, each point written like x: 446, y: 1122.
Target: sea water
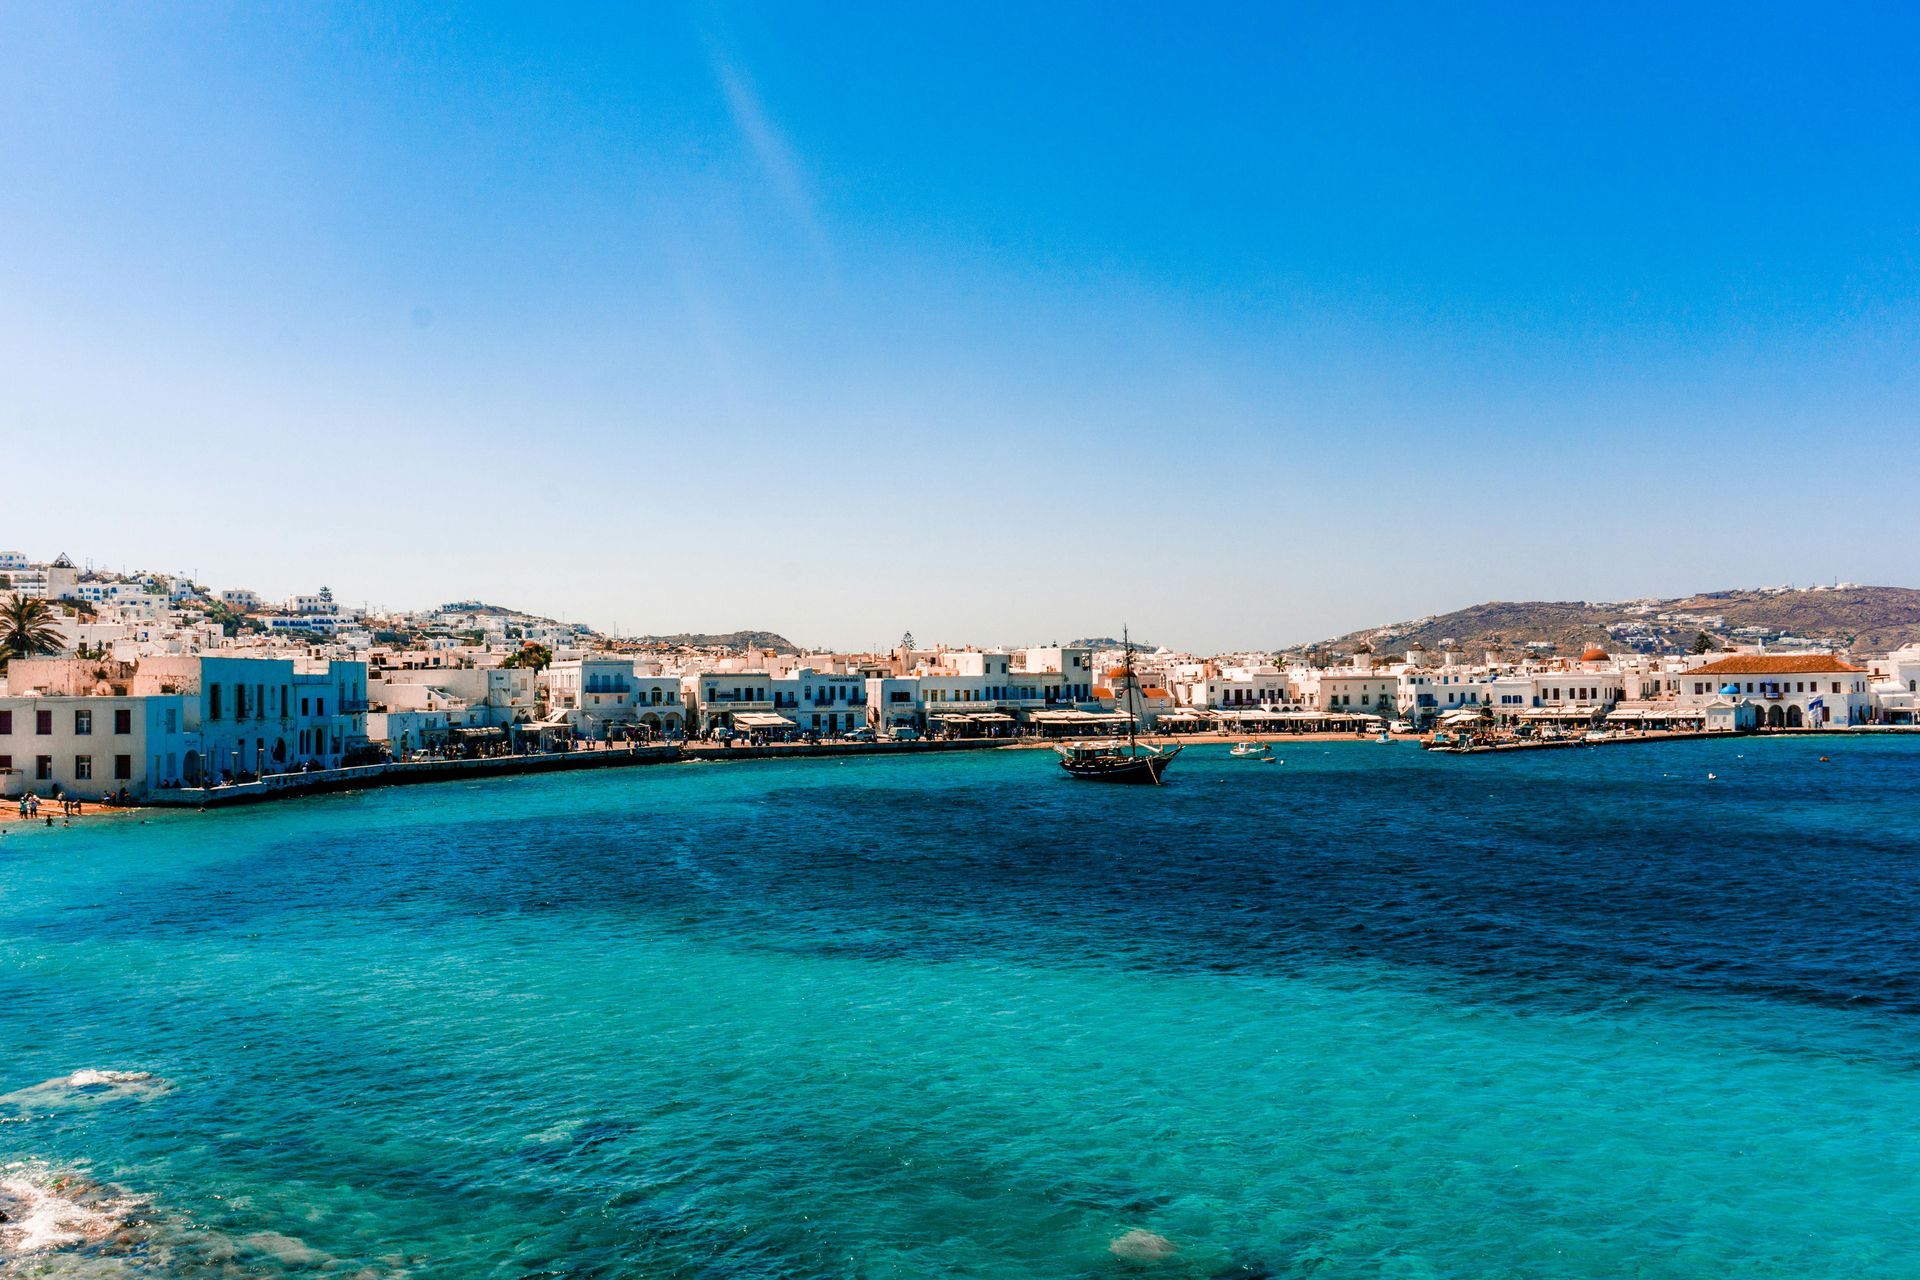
x: 1367, y: 1012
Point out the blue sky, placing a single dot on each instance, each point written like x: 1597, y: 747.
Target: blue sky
x: 998, y: 324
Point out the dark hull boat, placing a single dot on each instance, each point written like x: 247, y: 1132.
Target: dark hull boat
x: 1116, y: 761
x: 1101, y: 763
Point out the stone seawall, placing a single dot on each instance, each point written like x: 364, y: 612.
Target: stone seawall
x: 405, y: 773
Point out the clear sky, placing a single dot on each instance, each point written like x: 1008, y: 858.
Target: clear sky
x: 1001, y: 324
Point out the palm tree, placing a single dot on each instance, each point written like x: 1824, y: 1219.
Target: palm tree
x: 536, y: 656
x: 27, y: 627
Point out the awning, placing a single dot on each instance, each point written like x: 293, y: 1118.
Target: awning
x: 1558, y: 713
x: 1459, y: 717
x: 762, y: 720
x: 953, y: 716
x: 993, y: 717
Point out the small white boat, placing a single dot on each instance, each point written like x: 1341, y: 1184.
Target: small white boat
x: 1252, y: 751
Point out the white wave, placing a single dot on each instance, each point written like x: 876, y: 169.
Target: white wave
x: 87, y: 1088
x: 44, y: 1210
x: 67, y: 1224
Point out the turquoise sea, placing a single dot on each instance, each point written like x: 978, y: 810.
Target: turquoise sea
x: 1367, y: 1013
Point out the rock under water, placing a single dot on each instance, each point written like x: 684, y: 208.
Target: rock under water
x: 1142, y: 1246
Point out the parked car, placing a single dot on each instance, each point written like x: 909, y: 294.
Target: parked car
x: 901, y: 733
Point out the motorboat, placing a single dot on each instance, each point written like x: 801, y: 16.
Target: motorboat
x: 1251, y: 751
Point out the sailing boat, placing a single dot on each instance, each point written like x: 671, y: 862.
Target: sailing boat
x: 1112, y: 761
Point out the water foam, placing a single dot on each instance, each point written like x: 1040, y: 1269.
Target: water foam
x: 87, y: 1088
x: 45, y: 1210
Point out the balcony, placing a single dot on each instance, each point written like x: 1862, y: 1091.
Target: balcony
x: 727, y: 702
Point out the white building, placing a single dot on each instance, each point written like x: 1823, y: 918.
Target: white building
x: 1349, y: 691
x: 1896, y: 686
x: 1786, y: 691
x: 1236, y: 688
x: 1423, y: 694
x: 253, y: 716
x: 601, y: 696
x: 820, y: 702
x: 89, y: 746
x: 893, y: 702
x: 732, y: 701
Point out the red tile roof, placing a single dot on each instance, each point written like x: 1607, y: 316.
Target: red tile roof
x: 1799, y: 664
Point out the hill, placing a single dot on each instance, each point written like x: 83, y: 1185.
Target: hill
x: 1111, y: 642
x: 1866, y: 619
x: 771, y: 641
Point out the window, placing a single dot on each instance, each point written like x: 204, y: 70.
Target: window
x: 43, y: 768
x: 213, y: 702
x: 82, y: 723
x: 123, y: 768
x: 43, y: 723
x: 6, y: 722
x: 83, y: 768
x: 6, y: 764
x: 122, y: 720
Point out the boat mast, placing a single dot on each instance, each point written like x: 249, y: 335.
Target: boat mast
x: 1126, y: 669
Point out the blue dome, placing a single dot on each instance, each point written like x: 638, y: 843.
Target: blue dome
x: 1730, y: 688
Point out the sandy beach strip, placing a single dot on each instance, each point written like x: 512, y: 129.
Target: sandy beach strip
x: 50, y: 808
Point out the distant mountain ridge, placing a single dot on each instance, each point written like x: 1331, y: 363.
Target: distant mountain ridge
x: 482, y: 609
x: 770, y: 641
x: 1856, y: 617
x: 1110, y: 642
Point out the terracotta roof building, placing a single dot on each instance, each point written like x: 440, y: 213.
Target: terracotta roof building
x: 1783, y: 691
x: 1768, y: 664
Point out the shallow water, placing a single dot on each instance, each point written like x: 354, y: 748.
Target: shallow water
x: 1366, y: 1013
